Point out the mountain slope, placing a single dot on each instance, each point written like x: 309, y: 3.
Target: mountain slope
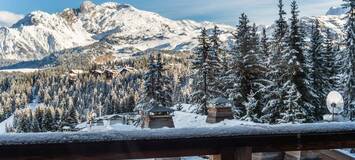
x: 123, y: 26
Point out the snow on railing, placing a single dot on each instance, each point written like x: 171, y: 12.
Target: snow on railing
x: 148, y: 143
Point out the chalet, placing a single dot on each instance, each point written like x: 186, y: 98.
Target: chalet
x: 219, y: 109
x: 96, y: 72
x: 125, y: 70
x: 127, y: 119
x: 109, y: 74
x: 74, y: 73
x: 155, y: 116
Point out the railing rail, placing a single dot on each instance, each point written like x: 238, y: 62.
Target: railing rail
x: 177, y: 142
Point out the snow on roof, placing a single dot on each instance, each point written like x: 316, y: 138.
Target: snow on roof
x: 98, y: 71
x: 129, y: 69
x: 220, y: 102
x: 160, y: 109
x: 77, y: 71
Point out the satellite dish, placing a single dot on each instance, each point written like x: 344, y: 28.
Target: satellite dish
x: 335, y: 102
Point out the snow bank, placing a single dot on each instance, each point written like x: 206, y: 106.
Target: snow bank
x: 160, y: 134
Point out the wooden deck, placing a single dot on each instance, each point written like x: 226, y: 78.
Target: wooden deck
x: 231, y: 143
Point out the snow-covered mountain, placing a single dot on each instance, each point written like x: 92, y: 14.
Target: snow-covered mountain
x: 334, y: 11
x: 121, y: 26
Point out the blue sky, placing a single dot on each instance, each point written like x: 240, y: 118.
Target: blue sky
x: 221, y: 11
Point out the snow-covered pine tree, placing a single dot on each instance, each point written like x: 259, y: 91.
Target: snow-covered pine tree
x: 281, y: 29
x: 48, y: 120
x: 248, y: 60
x: 39, y: 116
x: 293, y: 112
x: 329, y: 64
x: 242, y: 50
x: 315, y: 53
x: 218, y: 63
x: 19, y: 121
x: 343, y: 67
x: 265, y: 48
x: 271, y: 111
x: 149, y: 81
x: 71, y: 118
x: 350, y: 27
x: 163, y: 86
x: 251, y: 109
x: 291, y: 109
x: 57, y: 119
x: 296, y: 47
x: 201, y: 93
x: 257, y: 62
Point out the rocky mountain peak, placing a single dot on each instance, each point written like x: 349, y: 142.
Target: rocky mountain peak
x: 87, y: 6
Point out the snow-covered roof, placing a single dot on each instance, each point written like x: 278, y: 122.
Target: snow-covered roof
x: 152, y: 106
x: 156, y: 109
x: 77, y: 71
x: 129, y: 69
x: 219, y: 102
x: 98, y: 71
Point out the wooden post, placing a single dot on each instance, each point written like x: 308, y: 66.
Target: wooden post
x: 244, y: 153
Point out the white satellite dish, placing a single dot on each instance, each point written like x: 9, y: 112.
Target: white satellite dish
x: 335, y: 102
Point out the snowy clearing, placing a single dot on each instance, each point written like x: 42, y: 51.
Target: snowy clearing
x: 23, y: 70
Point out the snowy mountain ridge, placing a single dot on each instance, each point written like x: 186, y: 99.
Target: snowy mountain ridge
x: 40, y: 33
x: 122, y: 26
x: 334, y: 11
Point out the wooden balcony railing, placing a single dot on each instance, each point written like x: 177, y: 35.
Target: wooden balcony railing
x: 230, y: 142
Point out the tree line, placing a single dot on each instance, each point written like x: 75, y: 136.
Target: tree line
x: 277, y: 79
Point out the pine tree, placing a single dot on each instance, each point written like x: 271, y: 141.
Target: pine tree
x: 215, y: 66
x: 39, y: 116
x: 329, y: 64
x: 48, y: 120
x: 316, y: 51
x: 242, y: 53
x: 281, y: 29
x: 249, y: 63
x: 290, y: 100
x: 163, y: 86
x: 149, y: 81
x: 57, y: 120
x: 296, y: 47
x: 251, y: 109
x: 157, y: 86
x: 265, y: 48
x: 293, y: 111
x: 273, y: 108
x: 71, y: 118
x: 201, y: 93
x: 350, y: 26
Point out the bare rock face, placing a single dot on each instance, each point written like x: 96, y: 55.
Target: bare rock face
x: 87, y: 6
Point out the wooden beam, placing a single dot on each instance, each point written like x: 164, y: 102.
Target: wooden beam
x: 243, y: 153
